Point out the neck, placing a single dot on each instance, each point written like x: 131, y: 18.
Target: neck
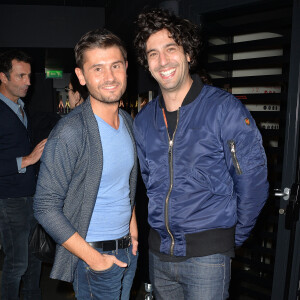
x: 109, y: 113
x: 173, y: 99
x: 4, y: 92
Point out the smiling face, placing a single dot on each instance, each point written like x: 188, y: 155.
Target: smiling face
x: 168, y: 63
x: 104, y: 73
x: 19, y: 81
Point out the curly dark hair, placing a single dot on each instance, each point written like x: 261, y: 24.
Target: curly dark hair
x: 182, y: 31
x: 98, y: 38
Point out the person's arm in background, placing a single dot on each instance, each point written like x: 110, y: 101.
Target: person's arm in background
x: 34, y: 156
x: 11, y: 166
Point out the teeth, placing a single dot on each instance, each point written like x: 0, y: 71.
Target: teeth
x: 167, y: 73
x: 109, y: 87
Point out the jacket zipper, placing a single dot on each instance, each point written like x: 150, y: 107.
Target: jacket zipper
x: 235, y: 161
x: 170, y: 155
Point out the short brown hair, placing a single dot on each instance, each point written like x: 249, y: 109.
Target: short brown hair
x: 99, y: 38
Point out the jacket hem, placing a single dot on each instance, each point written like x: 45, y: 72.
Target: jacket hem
x: 208, y: 242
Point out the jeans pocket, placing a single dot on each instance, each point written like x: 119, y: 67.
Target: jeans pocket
x: 102, y: 271
x: 93, y: 284
x: 215, y: 260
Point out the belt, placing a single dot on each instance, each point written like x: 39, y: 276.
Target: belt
x: 112, y: 245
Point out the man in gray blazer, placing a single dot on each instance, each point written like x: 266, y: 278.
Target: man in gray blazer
x: 87, y: 181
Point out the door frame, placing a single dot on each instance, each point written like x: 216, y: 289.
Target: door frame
x: 290, y: 165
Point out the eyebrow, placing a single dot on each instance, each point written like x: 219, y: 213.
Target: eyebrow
x: 23, y: 74
x: 102, y: 64
x: 166, y: 46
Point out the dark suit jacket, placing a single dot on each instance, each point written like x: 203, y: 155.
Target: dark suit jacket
x: 14, y: 142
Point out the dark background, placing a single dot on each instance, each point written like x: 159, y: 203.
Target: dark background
x: 49, y: 29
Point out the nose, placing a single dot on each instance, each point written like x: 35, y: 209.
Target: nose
x: 109, y: 75
x: 27, y: 80
x: 164, y: 59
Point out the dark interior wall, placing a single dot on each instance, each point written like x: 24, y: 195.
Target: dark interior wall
x: 214, y: 5
x: 47, y: 26
x: 60, y: 27
x: 41, y: 94
x: 37, y: 29
x: 193, y: 9
x: 126, y: 13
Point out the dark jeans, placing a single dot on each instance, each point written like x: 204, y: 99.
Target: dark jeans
x: 16, y: 224
x: 112, y: 284
x: 197, y: 278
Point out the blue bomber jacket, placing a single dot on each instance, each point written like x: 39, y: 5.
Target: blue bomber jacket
x: 208, y: 183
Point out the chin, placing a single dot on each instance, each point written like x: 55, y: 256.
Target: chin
x: 109, y: 101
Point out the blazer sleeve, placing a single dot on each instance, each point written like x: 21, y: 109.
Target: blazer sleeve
x: 57, y: 165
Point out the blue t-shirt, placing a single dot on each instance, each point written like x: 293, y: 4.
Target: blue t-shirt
x: 112, y: 211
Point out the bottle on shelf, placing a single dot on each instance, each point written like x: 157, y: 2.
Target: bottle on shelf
x: 67, y: 106
x: 61, y: 109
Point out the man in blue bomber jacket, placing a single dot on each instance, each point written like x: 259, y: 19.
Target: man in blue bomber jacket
x: 203, y: 164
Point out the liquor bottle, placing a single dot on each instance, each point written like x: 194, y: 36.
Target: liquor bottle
x: 61, y: 107
x: 67, y: 106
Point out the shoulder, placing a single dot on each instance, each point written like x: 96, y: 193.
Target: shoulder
x: 220, y: 101
x: 68, y: 136
x: 146, y: 112
x: 217, y: 95
x: 4, y: 107
x: 69, y: 127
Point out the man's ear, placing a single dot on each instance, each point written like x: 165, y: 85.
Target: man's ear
x: 80, y: 76
x: 188, y: 57
x: 3, y: 78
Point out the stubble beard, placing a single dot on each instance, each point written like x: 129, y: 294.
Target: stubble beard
x: 111, y: 99
x: 106, y: 100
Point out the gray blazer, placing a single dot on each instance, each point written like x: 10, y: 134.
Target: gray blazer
x: 68, y: 182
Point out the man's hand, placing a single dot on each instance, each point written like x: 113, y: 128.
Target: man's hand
x: 133, y: 232
x: 97, y: 261
x: 135, y: 243
x: 34, y: 156
x: 106, y: 261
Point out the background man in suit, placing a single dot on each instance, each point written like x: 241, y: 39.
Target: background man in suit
x: 17, y: 179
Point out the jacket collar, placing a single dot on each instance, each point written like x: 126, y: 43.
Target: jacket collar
x: 192, y: 94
